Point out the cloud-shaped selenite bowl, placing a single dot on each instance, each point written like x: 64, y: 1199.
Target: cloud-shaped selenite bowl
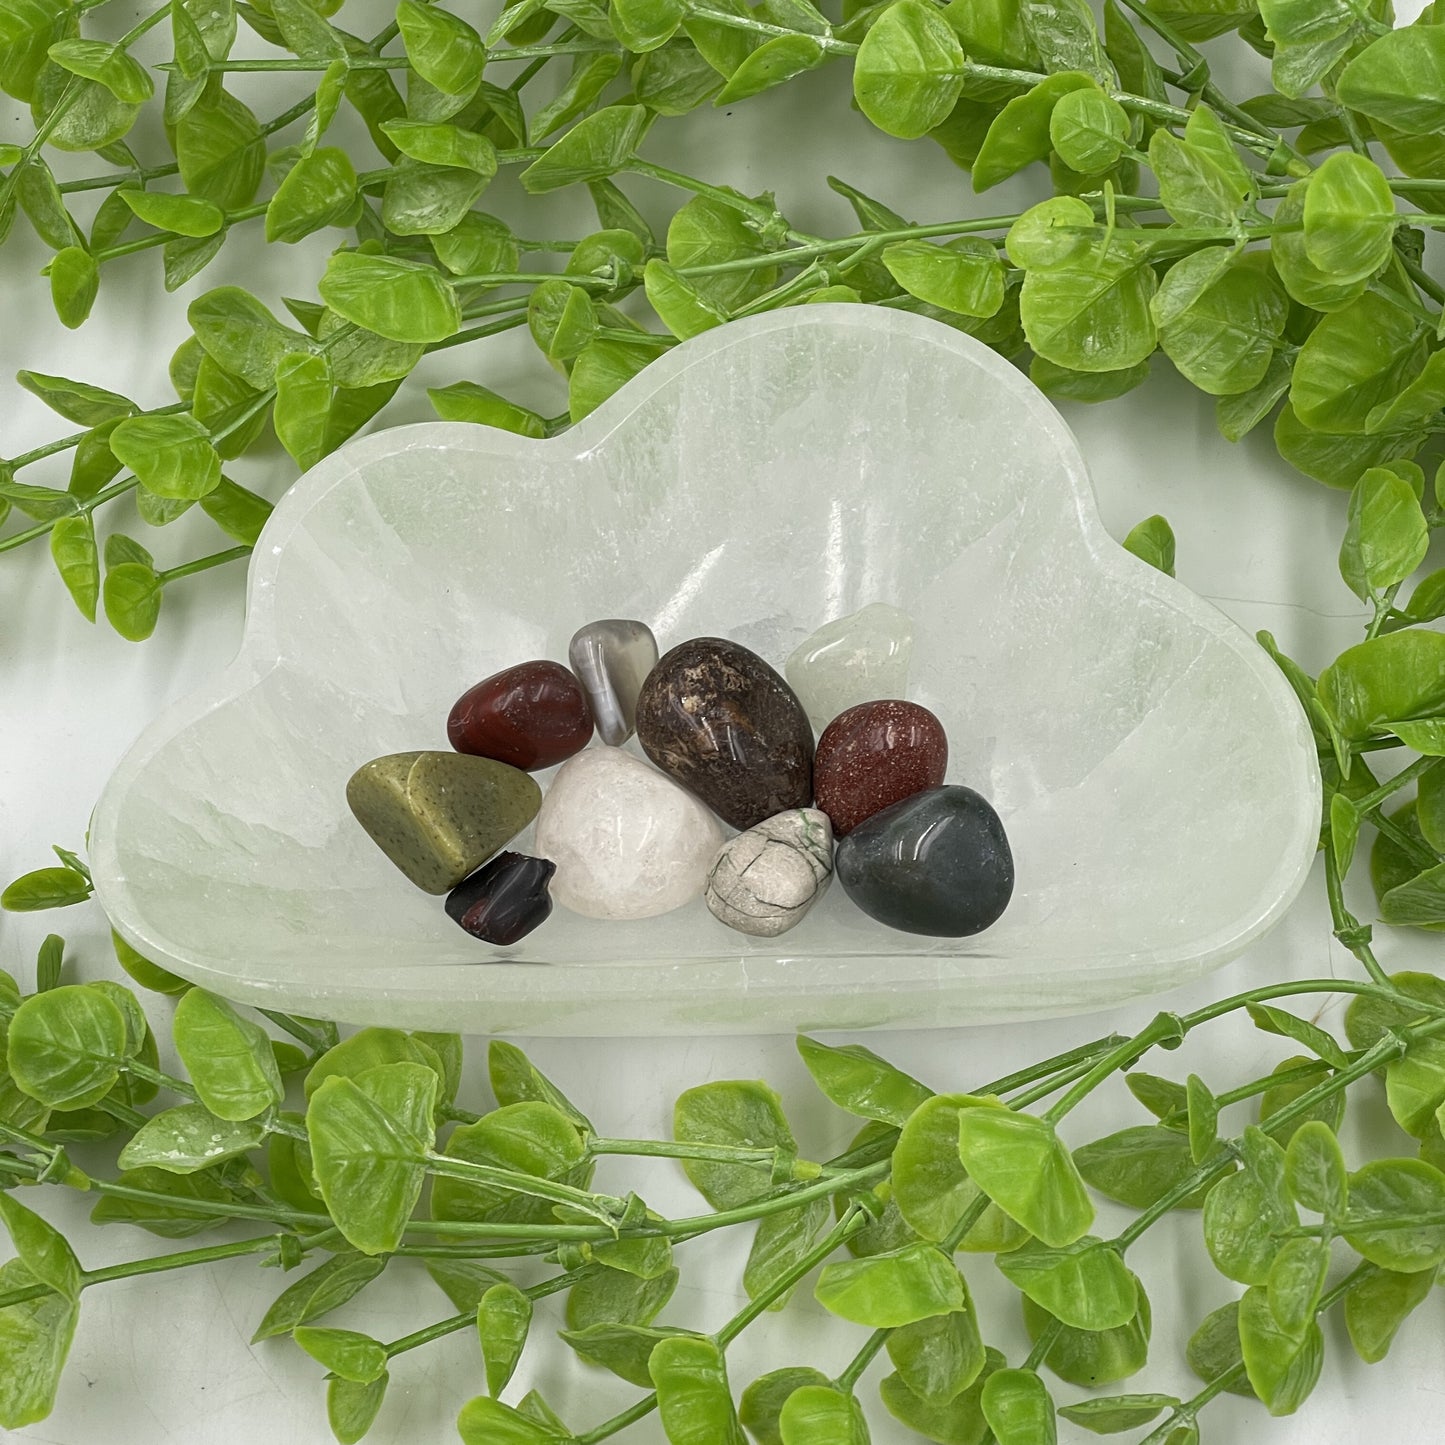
x: 1155, y: 774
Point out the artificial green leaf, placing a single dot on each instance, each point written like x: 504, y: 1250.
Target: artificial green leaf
x: 221, y: 151
x: 643, y: 25
x: 774, y: 62
x: 741, y: 1114
x: 1349, y: 218
x: 399, y: 300
x: 27, y: 30
x: 185, y: 215
x: 66, y: 1046
x: 174, y: 1206
x: 347, y: 1354
x: 1152, y: 541
x: 140, y: 969
x: 624, y: 1349
x: 1085, y: 1284
x: 351, y: 1409
x: 940, y: 1356
x: 1377, y: 1306
x: 1386, y: 1189
x: 1224, y: 339
x: 171, y: 455
x: 681, y: 307
x: 965, y: 277
x: 228, y: 1057
x: 1051, y: 233
x: 762, y: 1404
x: 76, y: 558
x: 1214, y: 1348
x: 884, y: 1291
x: 1020, y: 134
x: 369, y: 1048
x: 1399, y: 79
x: 305, y: 33
x: 132, y: 594
x: 959, y: 1422
x: 503, y: 1318
x: 1329, y: 1110
x: 77, y: 401
x: 821, y: 1415
x: 596, y: 147
x: 1315, y: 1169
x: 1397, y: 675
x: 561, y: 319
x: 858, y: 1081
x: 1017, y: 1407
x: 1193, y: 187
x: 1091, y: 311
x: 1274, y: 1020
x: 1247, y: 1215
x: 35, y: 1338
x: 529, y: 1138
x: 443, y: 49
x: 678, y: 78
x: 781, y: 1242
x: 1304, y: 281
x: 319, y: 190
x: 1283, y: 1365
x: 186, y: 256
x: 1089, y: 131
x: 601, y: 368
x: 327, y: 1287
x: 1093, y: 1357
x: 42, y: 1249
x: 693, y: 1398
x: 706, y: 232
x: 1296, y: 1281
x: 478, y: 245
x: 443, y: 145
x: 45, y: 888
x: 91, y: 118
x: 1139, y: 1166
x: 303, y: 401
x: 1021, y: 1164
x: 909, y: 70
x: 369, y: 1140
x: 466, y: 401
x: 931, y: 1187
x: 1113, y: 1414
x: 233, y: 413
x: 74, y: 285
x: 239, y: 513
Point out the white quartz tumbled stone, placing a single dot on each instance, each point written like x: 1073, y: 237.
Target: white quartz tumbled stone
x: 612, y: 659
x: 627, y: 841
x: 858, y: 658
x: 764, y: 880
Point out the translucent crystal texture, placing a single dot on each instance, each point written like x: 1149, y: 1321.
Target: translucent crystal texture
x: 612, y: 659
x: 853, y: 659
x: 1153, y: 771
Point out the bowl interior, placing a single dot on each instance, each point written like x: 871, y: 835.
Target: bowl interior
x: 1155, y: 776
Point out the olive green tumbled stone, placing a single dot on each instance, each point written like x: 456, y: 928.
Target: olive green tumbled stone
x: 440, y: 816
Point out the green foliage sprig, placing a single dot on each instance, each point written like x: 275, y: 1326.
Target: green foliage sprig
x: 1183, y: 221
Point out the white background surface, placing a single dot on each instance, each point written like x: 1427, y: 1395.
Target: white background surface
x: 168, y: 1359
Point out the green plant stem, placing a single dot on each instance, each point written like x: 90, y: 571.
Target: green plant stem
x: 515, y: 1182
x: 663, y: 1149
x: 68, y: 443
x: 161, y: 238
x: 1346, y: 925
x: 854, y: 1220
x: 1164, y: 1026
x: 732, y: 21
x: 1419, y: 852
x: 1388, y: 789
x: 203, y: 564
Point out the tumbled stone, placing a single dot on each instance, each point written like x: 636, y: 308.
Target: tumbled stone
x: 851, y: 660
x: 627, y: 841
x: 763, y: 881
x: 715, y: 717
x: 936, y: 863
x: 505, y: 899
x: 533, y: 715
x: 439, y: 816
x: 612, y: 659
x: 875, y: 755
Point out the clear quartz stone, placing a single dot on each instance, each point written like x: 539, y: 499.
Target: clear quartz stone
x: 858, y: 658
x: 612, y: 659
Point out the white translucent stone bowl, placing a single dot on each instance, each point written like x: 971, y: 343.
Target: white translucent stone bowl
x: 1153, y: 770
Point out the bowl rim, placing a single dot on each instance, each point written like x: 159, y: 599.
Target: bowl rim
x: 509, y: 984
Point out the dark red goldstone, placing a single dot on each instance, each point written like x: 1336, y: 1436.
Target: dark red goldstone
x: 875, y: 755
x: 532, y: 716
x: 505, y: 899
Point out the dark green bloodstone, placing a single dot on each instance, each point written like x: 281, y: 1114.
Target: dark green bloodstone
x: 936, y: 863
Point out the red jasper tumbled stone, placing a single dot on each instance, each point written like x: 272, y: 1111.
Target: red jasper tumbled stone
x: 875, y: 755
x: 531, y: 716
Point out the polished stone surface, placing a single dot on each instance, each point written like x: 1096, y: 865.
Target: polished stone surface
x: 437, y: 816
x: 765, y: 880
x: 715, y: 717
x: 875, y: 755
x: 627, y: 842
x: 504, y: 900
x: 532, y: 715
x: 937, y: 863
x: 612, y: 659
x: 852, y: 659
